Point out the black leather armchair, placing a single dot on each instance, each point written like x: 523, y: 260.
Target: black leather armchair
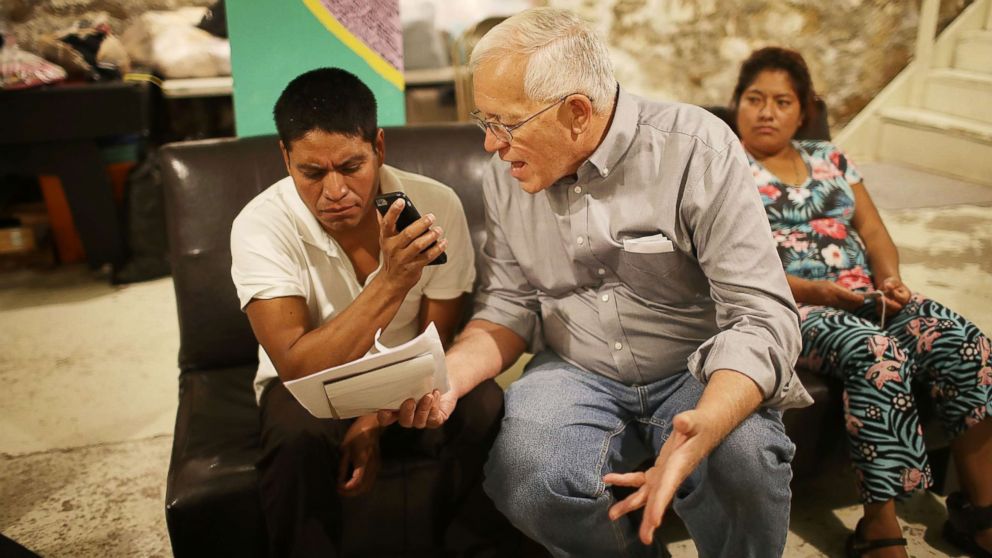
x: 212, y: 504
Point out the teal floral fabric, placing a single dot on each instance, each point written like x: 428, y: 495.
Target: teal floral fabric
x: 811, y: 222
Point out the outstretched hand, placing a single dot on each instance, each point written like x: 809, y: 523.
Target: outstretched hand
x: 689, y: 442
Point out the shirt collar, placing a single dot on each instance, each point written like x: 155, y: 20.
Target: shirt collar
x: 307, y: 226
x: 619, y: 137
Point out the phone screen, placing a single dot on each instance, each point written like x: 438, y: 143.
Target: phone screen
x: 406, y: 218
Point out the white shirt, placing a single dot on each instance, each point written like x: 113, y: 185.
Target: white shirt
x: 279, y: 249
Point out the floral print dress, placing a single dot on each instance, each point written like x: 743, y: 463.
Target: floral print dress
x: 925, y: 341
x: 812, y: 222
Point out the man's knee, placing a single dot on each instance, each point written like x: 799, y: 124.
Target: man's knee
x: 477, y: 417
x: 533, y: 466
x: 756, y: 454
x: 302, y: 445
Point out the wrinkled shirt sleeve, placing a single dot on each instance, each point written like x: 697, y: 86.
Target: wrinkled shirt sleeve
x: 505, y: 297
x: 755, y: 310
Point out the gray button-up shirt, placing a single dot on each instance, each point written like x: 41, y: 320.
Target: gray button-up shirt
x: 656, y: 257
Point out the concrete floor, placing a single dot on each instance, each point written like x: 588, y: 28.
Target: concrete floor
x: 89, y: 398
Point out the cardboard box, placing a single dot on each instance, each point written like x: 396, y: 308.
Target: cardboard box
x: 17, y: 240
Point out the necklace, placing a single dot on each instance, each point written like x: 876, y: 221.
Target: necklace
x: 795, y: 168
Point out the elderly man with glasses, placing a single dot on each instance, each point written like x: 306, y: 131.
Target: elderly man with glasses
x: 628, y: 249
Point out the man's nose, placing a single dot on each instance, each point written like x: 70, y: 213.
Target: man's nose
x: 492, y: 144
x: 334, y: 187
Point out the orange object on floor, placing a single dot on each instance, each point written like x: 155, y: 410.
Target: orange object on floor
x: 67, y: 243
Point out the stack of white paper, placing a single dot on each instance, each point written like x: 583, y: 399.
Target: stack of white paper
x: 380, y: 380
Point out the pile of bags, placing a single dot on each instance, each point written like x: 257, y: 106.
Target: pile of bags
x: 175, y: 44
x: 184, y: 43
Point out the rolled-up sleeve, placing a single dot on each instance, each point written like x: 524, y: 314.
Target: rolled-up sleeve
x: 755, y: 309
x: 261, y: 263
x: 505, y: 296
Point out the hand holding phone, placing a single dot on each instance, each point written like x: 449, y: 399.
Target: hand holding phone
x: 407, y: 217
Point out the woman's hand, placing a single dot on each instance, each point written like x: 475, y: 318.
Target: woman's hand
x: 360, y: 455
x: 828, y: 293
x: 895, y: 293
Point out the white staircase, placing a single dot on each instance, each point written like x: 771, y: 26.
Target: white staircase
x: 937, y: 114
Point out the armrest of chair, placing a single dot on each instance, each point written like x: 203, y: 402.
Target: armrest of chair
x: 212, y: 506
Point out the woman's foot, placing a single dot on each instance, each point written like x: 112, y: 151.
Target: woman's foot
x: 969, y: 527
x: 878, y: 534
x: 881, y: 538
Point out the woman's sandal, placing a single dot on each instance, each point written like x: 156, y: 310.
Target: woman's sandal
x: 963, y: 521
x: 856, y: 545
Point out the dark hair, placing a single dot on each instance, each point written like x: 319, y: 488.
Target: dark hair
x: 777, y: 58
x: 327, y: 99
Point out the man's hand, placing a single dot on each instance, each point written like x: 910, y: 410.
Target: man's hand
x: 728, y: 399
x: 828, y: 293
x: 432, y: 411
x: 688, y: 444
x: 360, y: 455
x: 896, y: 295
x: 405, y: 253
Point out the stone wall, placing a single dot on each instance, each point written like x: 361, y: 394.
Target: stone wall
x: 690, y: 50
x: 28, y: 19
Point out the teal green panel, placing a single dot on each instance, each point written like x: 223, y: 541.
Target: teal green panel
x: 272, y: 42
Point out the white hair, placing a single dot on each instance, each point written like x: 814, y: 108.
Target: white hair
x: 564, y: 56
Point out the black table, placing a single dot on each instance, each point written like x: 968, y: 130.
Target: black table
x: 54, y: 130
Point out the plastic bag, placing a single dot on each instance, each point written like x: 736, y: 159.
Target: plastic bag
x: 21, y: 70
x: 148, y: 244
x: 171, y: 44
x: 87, y: 50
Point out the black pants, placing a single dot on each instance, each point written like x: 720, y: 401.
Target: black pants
x: 430, y: 481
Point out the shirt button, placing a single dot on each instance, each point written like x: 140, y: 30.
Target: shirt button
x: 605, y: 298
x: 580, y: 240
x: 601, y: 271
x: 577, y: 189
x: 604, y: 172
x: 618, y: 345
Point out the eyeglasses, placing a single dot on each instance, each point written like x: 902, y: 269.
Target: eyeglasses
x: 504, y: 133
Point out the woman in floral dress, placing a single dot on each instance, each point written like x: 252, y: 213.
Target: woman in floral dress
x: 860, y: 323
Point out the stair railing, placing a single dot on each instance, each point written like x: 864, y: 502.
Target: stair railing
x: 925, y: 33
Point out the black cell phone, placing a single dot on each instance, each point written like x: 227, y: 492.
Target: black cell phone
x: 406, y: 218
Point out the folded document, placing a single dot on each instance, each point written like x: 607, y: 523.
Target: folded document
x: 379, y: 380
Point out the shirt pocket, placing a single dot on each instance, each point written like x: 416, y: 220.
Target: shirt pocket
x: 648, y: 257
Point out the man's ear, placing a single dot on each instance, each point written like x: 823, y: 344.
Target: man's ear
x: 380, y: 146
x: 285, y: 155
x: 580, y: 112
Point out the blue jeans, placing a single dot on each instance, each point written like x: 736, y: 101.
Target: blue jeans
x: 565, y: 428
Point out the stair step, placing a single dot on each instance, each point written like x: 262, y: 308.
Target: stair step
x: 940, y: 143
x: 960, y: 93
x: 973, y: 51
x: 935, y: 121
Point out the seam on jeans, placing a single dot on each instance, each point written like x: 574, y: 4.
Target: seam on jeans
x: 600, y: 485
x: 642, y: 399
x: 615, y: 527
x: 654, y: 422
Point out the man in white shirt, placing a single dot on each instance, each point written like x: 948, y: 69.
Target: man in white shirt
x: 317, y: 272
